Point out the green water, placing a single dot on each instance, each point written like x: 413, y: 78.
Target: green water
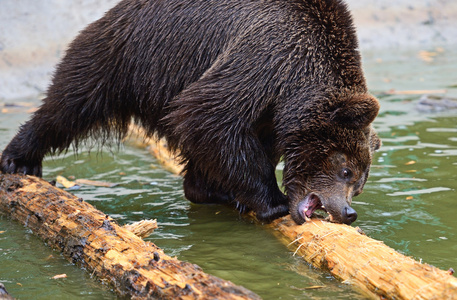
x: 409, y: 201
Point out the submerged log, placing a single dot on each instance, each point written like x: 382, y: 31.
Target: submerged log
x: 370, y: 266
x: 89, y: 238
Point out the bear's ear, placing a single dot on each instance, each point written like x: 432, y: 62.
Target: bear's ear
x: 357, y: 111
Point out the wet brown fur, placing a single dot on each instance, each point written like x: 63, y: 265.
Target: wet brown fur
x: 234, y: 84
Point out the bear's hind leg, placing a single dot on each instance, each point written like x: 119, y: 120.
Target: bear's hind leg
x: 85, y: 99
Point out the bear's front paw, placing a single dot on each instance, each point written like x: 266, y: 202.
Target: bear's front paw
x: 241, y: 207
x: 13, y: 165
x: 273, y: 213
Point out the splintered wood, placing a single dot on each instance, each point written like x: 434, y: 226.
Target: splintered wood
x: 370, y: 266
x: 142, y: 228
x: 89, y: 238
x: 363, y: 262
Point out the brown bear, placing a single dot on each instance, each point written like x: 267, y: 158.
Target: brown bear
x: 235, y: 85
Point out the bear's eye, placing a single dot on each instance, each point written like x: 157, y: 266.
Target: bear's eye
x: 346, y: 174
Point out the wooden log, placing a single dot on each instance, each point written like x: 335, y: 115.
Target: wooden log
x: 157, y: 147
x: 414, y: 92
x: 89, y: 238
x: 370, y: 266
x: 367, y: 264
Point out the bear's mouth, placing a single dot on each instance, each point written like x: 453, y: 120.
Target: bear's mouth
x: 309, y: 205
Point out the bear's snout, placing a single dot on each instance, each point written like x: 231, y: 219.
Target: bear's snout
x: 348, y: 215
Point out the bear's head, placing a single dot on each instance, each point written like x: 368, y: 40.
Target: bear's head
x: 327, y: 160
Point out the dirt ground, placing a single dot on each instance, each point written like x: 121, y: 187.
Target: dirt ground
x: 34, y: 34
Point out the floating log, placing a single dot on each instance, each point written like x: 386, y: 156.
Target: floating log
x: 89, y: 238
x: 367, y: 264
x: 414, y: 92
x: 370, y: 266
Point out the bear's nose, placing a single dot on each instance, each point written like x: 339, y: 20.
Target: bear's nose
x: 348, y: 215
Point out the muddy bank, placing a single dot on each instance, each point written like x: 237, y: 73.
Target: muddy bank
x: 34, y: 34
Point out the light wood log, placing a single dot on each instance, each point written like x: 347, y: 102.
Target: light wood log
x: 367, y: 264
x: 415, y: 92
x: 89, y: 238
x: 370, y: 266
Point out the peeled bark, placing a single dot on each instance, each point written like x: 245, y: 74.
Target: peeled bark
x: 89, y: 238
x: 370, y: 266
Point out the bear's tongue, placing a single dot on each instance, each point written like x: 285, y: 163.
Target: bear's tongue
x: 309, y: 205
